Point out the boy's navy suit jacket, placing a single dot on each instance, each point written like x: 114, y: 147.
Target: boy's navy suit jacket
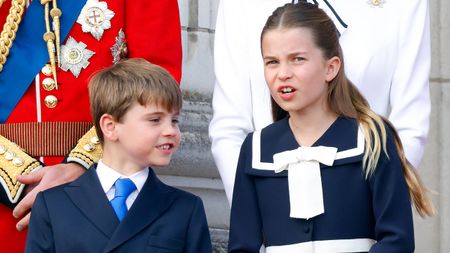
x: 77, y: 217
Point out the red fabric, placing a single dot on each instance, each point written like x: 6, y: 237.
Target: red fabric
x: 163, y: 30
x: 152, y: 30
x: 11, y: 241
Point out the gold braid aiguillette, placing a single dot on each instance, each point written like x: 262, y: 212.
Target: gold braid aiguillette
x: 10, y: 27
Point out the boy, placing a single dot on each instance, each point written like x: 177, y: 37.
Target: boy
x: 135, y: 107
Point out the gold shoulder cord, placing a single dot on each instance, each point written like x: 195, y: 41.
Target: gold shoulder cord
x: 10, y: 27
x: 13, y: 161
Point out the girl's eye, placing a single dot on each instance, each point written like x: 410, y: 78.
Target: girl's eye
x: 155, y: 120
x: 175, y: 121
x: 298, y: 59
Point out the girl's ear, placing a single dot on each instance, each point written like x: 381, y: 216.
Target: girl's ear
x: 333, y: 66
x: 109, y: 127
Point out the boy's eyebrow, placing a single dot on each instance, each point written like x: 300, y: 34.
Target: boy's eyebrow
x: 156, y: 113
x: 269, y: 57
x: 161, y: 113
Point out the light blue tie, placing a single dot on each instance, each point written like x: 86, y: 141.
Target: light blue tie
x: 124, y: 187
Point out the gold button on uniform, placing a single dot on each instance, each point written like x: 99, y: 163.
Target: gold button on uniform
x: 95, y: 140
x: 47, y: 70
x: 48, y: 84
x: 3, y: 149
x: 89, y: 147
x: 18, y: 161
x: 51, y: 101
x: 9, y: 155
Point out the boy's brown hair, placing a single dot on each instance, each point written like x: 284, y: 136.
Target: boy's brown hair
x: 115, y: 89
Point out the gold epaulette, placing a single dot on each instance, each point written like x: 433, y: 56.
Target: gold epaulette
x: 14, y: 161
x: 87, y: 151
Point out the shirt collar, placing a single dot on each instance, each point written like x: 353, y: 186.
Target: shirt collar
x: 108, y: 177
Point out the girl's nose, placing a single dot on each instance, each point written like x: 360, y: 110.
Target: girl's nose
x: 284, y: 72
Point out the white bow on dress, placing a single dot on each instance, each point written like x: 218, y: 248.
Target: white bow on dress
x: 304, y: 179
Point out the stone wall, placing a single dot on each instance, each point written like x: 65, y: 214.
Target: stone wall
x: 193, y: 168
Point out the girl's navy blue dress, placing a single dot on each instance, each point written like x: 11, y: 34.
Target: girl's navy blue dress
x: 360, y: 215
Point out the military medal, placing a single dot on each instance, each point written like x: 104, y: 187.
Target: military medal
x: 119, y: 50
x: 376, y: 3
x: 95, y: 18
x: 75, y: 56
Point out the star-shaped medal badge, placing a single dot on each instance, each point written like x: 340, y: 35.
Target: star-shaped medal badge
x: 75, y: 56
x: 376, y: 3
x: 95, y: 18
x: 119, y: 50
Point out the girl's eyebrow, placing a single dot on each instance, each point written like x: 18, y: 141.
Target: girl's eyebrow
x: 290, y: 55
x: 297, y: 53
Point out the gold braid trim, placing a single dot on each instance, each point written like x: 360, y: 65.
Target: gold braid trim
x: 88, y: 150
x: 14, y: 161
x: 10, y: 27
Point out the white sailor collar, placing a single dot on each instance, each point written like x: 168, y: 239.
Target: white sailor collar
x: 344, y: 134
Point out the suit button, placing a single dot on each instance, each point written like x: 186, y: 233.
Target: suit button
x: 51, y: 101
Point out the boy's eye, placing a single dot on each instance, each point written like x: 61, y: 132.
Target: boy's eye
x: 155, y: 120
x: 175, y: 121
x: 271, y: 62
x: 298, y: 59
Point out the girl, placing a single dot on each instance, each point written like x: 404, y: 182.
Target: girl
x: 329, y: 175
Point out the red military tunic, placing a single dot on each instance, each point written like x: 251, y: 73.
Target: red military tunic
x: 152, y: 31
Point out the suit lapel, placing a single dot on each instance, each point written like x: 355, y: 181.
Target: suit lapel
x: 153, y: 200
x: 87, y: 194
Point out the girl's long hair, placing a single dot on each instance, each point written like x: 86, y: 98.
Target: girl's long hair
x: 344, y: 98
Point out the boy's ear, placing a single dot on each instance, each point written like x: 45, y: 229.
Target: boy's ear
x: 333, y: 66
x: 108, y: 126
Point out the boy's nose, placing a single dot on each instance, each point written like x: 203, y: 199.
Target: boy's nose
x: 171, y: 130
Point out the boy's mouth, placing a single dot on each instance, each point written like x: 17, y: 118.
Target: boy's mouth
x: 165, y: 146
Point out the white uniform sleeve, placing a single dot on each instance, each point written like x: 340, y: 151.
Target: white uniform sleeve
x: 410, y: 95
x: 232, y: 106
